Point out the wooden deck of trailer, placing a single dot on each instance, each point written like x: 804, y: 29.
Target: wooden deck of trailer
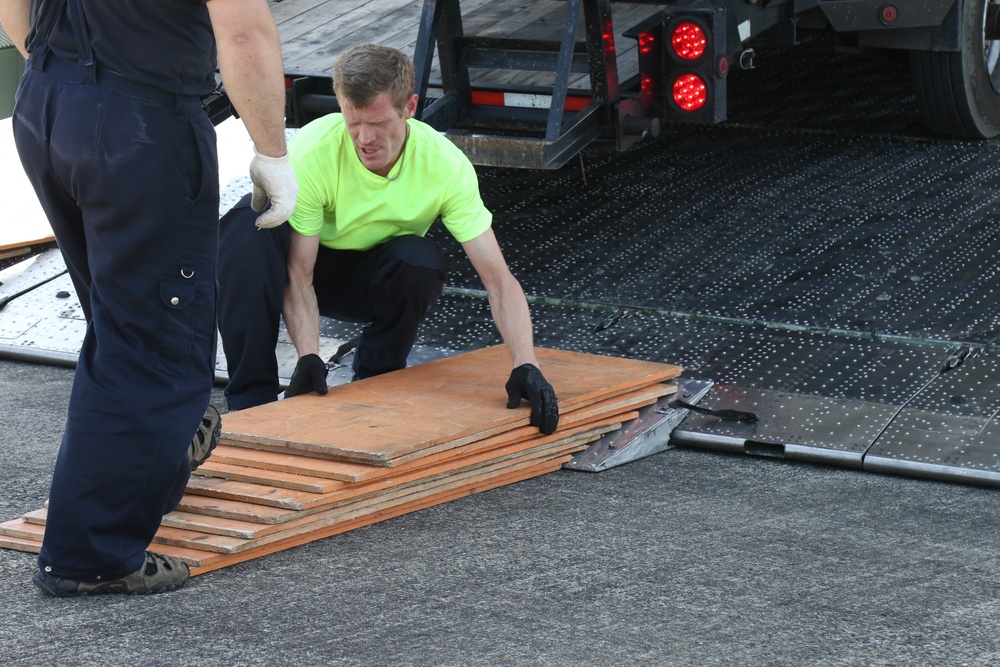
x: 314, y: 32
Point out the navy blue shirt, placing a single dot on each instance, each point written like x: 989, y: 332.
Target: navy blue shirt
x: 164, y: 43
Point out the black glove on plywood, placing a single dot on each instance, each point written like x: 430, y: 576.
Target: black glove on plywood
x: 309, y: 375
x: 527, y: 382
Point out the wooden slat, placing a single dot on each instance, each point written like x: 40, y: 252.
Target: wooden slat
x: 234, y: 509
x: 202, y: 561
x: 22, y: 529
x: 291, y: 462
x: 300, y: 500
x: 284, y: 480
x: 383, y: 418
x: 246, y: 510
x: 300, y: 465
x: 359, y: 507
x: 18, y: 544
x: 210, y: 562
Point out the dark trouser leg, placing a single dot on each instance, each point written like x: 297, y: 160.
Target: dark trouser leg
x: 252, y: 278
x: 390, y: 287
x: 140, y: 236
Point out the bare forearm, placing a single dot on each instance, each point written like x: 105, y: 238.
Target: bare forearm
x: 301, y: 313
x: 15, y: 18
x: 513, y: 319
x: 250, y: 63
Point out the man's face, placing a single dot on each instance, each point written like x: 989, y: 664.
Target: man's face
x: 378, y: 131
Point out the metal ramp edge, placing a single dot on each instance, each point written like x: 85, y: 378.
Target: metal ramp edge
x: 947, y: 430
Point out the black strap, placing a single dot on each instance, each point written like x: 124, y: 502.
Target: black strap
x: 88, y: 72
x: 725, y: 415
x: 40, y: 38
x: 342, y: 351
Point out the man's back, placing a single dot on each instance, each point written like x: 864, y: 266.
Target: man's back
x: 165, y: 43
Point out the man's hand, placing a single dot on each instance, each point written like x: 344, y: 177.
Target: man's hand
x: 273, y: 178
x: 309, y: 375
x: 526, y: 381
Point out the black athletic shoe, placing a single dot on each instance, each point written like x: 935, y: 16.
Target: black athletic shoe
x: 205, y: 438
x: 158, y: 574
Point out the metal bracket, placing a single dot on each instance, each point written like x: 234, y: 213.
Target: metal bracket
x: 646, y: 435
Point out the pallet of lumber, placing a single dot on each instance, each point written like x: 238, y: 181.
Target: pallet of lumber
x: 310, y: 467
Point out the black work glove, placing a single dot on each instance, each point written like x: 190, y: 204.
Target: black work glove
x: 526, y: 381
x: 309, y: 375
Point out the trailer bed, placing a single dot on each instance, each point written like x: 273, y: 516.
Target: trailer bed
x: 313, y: 32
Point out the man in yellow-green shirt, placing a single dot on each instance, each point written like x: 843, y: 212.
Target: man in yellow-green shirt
x: 372, y: 180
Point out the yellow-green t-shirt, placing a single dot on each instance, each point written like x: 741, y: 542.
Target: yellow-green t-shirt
x: 352, y: 208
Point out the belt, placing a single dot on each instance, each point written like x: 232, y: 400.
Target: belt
x: 70, y: 72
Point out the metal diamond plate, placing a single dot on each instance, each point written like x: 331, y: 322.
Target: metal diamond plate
x: 951, y: 430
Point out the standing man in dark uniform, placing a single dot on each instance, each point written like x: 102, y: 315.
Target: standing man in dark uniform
x: 109, y: 126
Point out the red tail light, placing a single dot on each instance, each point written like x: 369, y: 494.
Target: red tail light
x: 646, y: 42
x: 690, y: 92
x: 688, y: 41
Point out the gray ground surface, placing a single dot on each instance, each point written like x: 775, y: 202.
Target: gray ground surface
x: 683, y: 558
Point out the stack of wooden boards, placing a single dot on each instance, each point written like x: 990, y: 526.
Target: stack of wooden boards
x: 312, y: 466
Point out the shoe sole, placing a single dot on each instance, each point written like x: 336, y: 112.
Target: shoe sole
x: 108, y: 589
x: 211, y: 424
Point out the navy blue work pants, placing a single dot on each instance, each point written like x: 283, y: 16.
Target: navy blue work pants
x: 130, y: 186
x: 388, y: 288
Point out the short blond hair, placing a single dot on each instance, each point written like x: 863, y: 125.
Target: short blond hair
x: 363, y: 72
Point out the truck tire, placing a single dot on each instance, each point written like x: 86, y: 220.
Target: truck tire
x: 959, y: 92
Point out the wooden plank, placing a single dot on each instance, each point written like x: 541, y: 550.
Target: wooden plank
x: 24, y: 222
x: 211, y: 562
x: 284, y: 480
x: 382, y: 418
x: 301, y: 465
x: 291, y: 462
x: 21, y: 529
x: 286, y: 508
x: 257, y: 494
x: 246, y: 530
x: 299, y: 500
x: 18, y: 544
x: 611, y: 409
x: 247, y: 511
x: 224, y: 508
x: 570, y: 424
x: 202, y: 562
x: 357, y: 508
x: 37, y: 516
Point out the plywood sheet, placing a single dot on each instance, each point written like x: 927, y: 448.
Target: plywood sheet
x: 207, y: 562
x: 380, y: 419
x: 24, y: 222
x: 202, y: 561
x: 303, y: 468
x: 261, y: 494
x: 249, y: 503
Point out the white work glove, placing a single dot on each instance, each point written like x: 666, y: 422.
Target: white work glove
x: 273, y: 178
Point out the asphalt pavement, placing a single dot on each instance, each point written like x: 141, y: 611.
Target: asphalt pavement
x: 683, y: 558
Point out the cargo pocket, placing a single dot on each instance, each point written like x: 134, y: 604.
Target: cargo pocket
x: 177, y: 330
